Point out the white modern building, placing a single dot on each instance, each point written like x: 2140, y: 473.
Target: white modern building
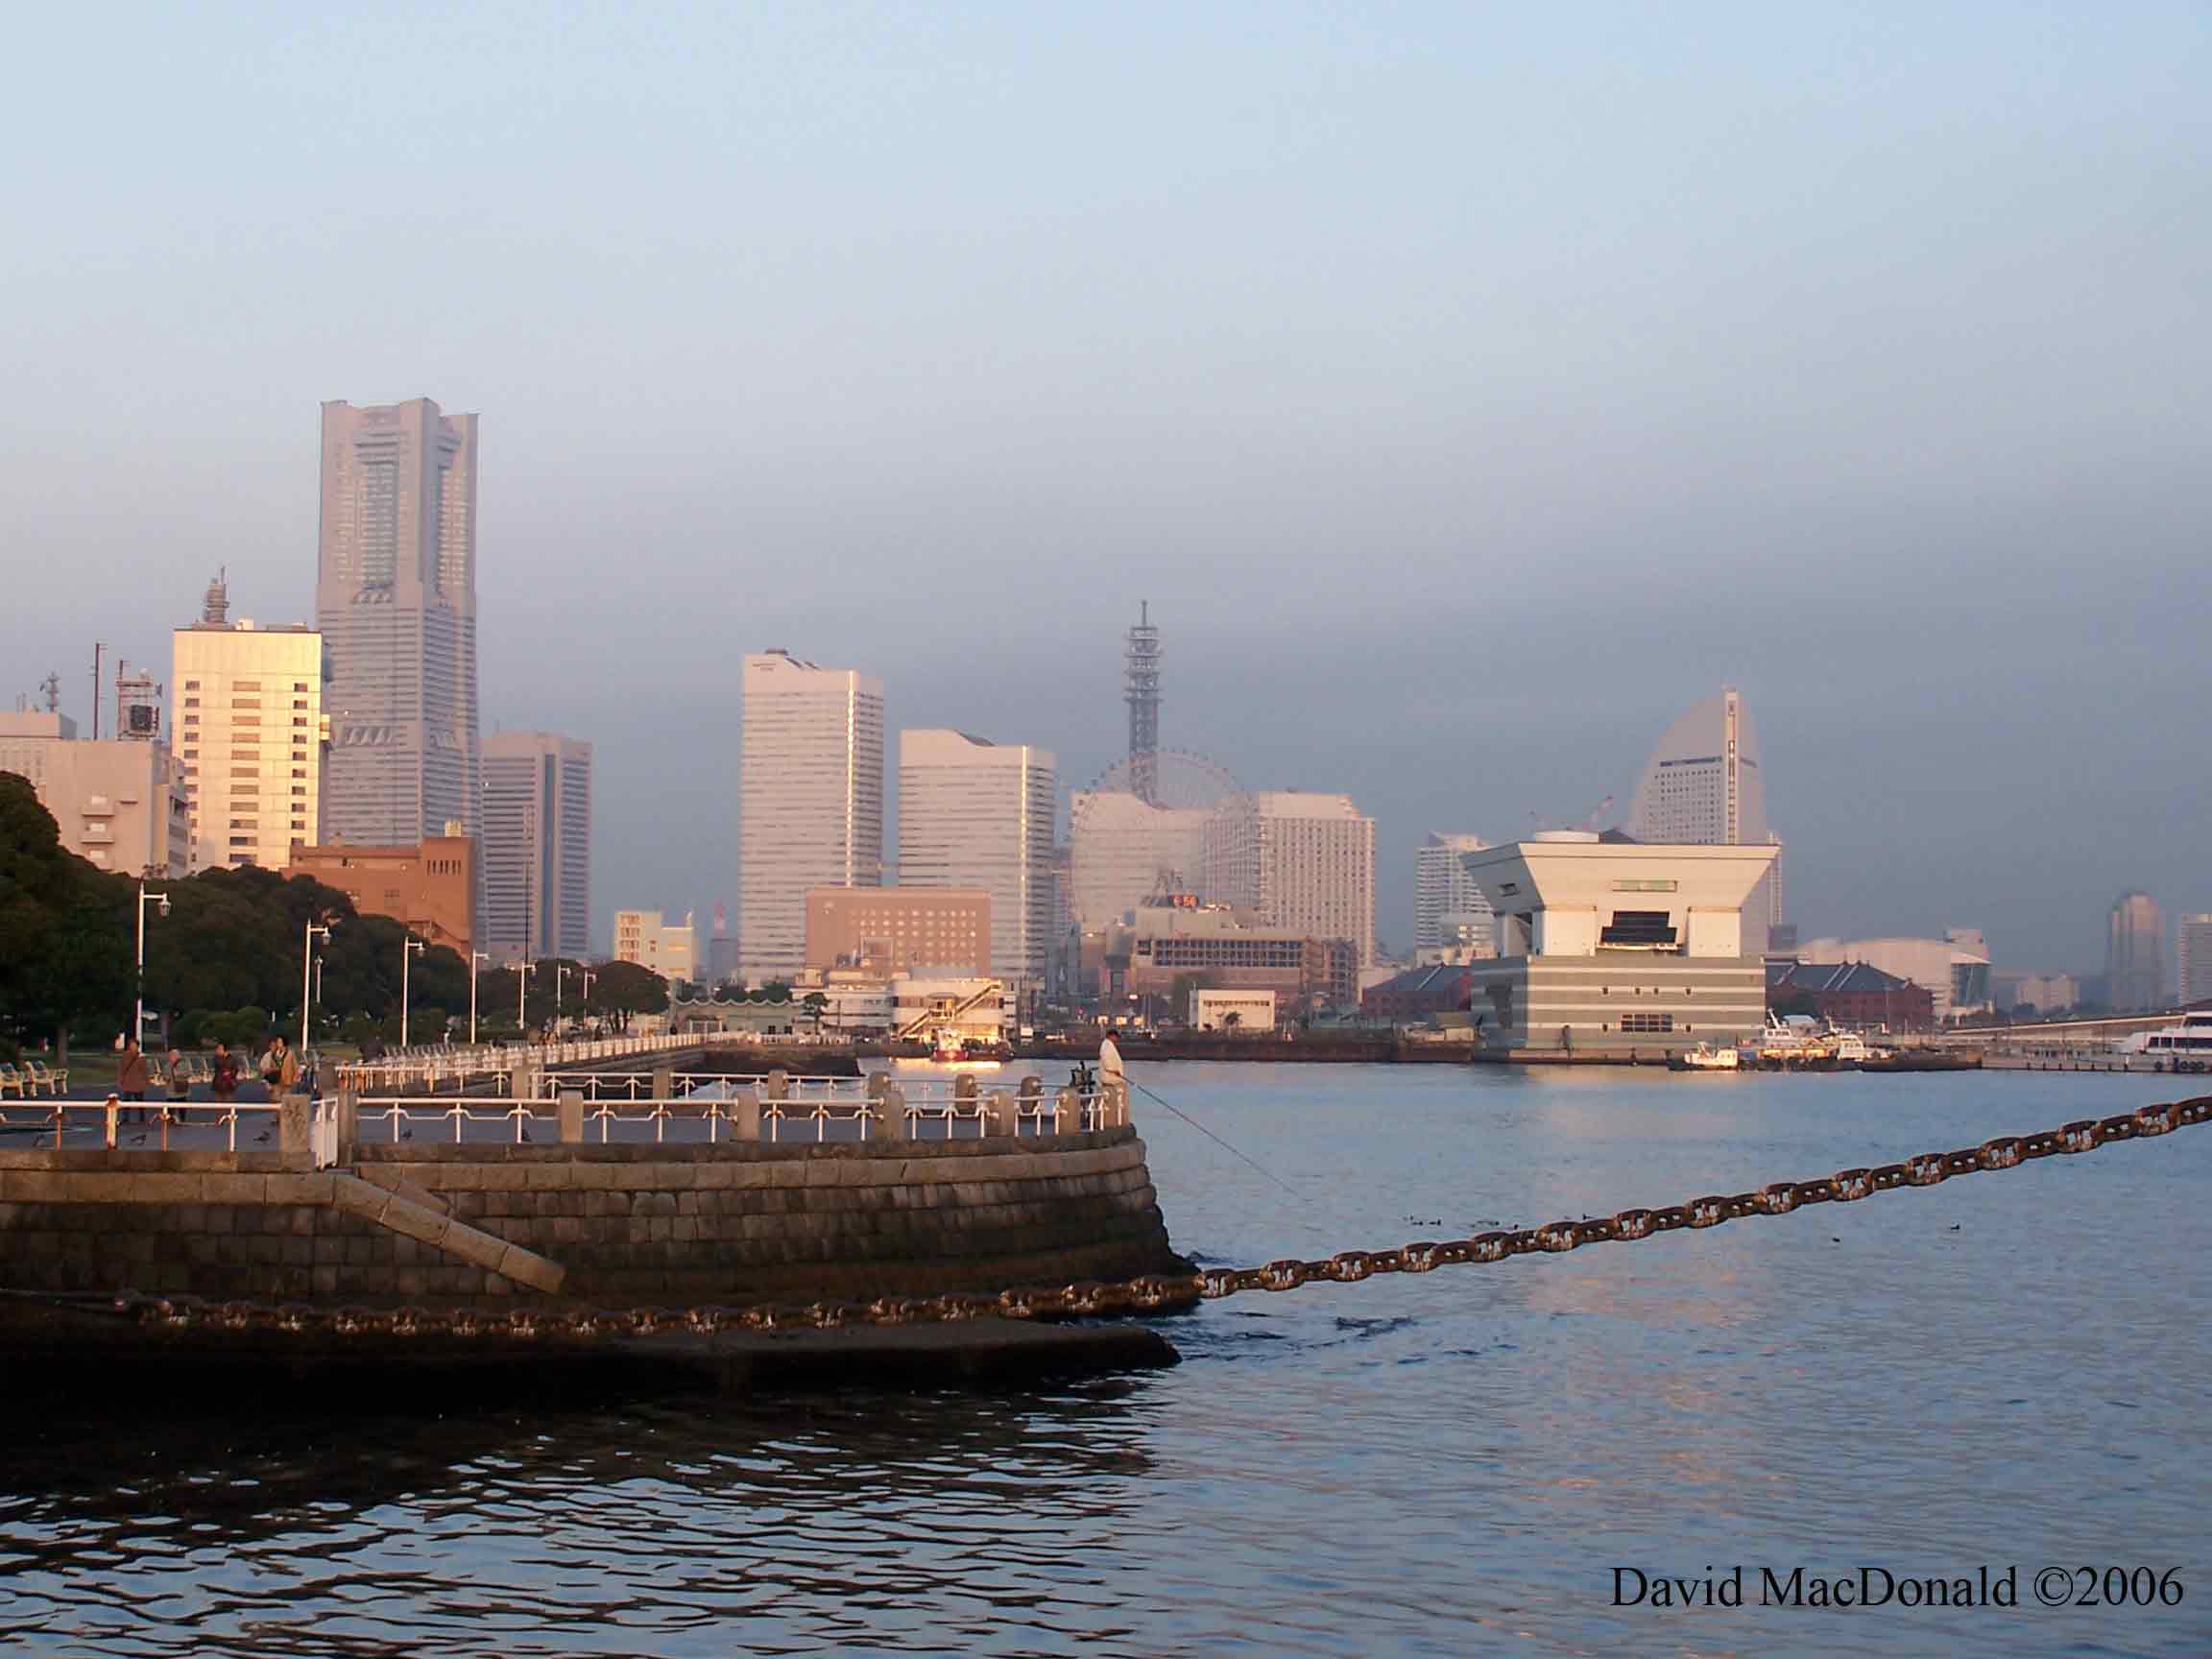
x: 396, y: 602
x: 534, y: 853
x: 118, y: 803
x: 1704, y: 786
x: 977, y: 814
x: 1618, y: 945
x: 1954, y: 970
x: 645, y: 938
x: 1239, y: 1010
x: 2193, y: 938
x: 1317, y: 867
x: 250, y: 735
x: 810, y: 812
x: 1448, y: 910
x: 2135, y: 954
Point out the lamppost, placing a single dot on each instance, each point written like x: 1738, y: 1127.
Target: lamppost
x: 586, y: 973
x: 560, y: 980
x: 310, y: 978
x: 522, y: 972
x: 139, y: 985
x: 413, y: 947
x: 475, y: 959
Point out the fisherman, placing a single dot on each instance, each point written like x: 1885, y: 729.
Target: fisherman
x: 1113, y: 1080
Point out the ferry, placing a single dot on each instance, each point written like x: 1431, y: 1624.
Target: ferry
x: 2191, y: 1040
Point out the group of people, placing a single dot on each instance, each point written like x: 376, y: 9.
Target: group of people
x: 280, y: 1071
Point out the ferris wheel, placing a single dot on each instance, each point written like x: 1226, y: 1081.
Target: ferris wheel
x: 1194, y: 831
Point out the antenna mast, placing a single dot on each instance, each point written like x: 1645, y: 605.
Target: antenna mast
x: 1141, y: 674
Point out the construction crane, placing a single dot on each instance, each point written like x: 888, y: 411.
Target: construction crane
x: 1597, y: 813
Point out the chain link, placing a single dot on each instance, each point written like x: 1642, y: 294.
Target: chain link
x: 1156, y: 1292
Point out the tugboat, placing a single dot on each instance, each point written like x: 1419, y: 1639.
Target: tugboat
x: 1704, y: 1058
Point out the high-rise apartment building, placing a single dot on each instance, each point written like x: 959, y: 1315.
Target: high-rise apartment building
x: 2193, y: 935
x: 1449, y: 909
x: 2135, y: 953
x: 1317, y: 867
x: 669, y: 949
x: 535, y: 852
x: 395, y: 600
x: 811, y: 811
x: 249, y: 735
x: 118, y: 803
x: 979, y: 814
x: 1704, y: 786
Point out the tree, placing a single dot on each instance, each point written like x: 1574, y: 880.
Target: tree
x: 815, y: 1005
x: 65, y: 944
x: 624, y: 990
x: 1230, y: 1021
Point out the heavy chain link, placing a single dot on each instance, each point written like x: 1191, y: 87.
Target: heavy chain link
x: 1156, y: 1292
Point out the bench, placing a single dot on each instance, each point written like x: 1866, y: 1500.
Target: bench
x: 40, y: 1075
x: 11, y: 1079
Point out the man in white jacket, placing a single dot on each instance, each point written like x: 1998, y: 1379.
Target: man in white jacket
x: 1113, y: 1080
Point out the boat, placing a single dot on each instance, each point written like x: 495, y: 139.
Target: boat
x: 2190, y: 1040
x: 1704, y: 1058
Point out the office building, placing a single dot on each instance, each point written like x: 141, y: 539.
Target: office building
x: 2193, y: 937
x: 899, y: 929
x: 395, y: 601
x: 1616, y: 945
x: 250, y: 735
x: 429, y: 886
x: 1317, y: 867
x: 980, y: 816
x: 118, y: 803
x: 1448, y: 910
x: 1704, y: 786
x: 535, y: 848
x: 643, y: 937
x: 2135, y: 954
x: 810, y: 813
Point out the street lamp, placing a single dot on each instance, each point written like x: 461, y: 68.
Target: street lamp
x: 559, y: 979
x: 475, y: 958
x: 406, y: 956
x: 586, y: 973
x: 310, y: 978
x: 138, y: 986
x: 522, y: 972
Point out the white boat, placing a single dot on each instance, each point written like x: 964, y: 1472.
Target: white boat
x: 2191, y: 1040
x: 1706, y: 1058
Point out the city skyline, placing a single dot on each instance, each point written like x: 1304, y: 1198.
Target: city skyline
x: 1390, y: 458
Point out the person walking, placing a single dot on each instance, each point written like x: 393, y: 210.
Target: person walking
x: 287, y: 1069
x: 223, y: 1075
x: 180, y: 1079
x: 130, y: 1078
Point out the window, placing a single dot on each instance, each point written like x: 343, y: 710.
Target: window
x: 244, y: 685
x: 191, y: 719
x: 297, y: 773
x: 1646, y: 1021
x: 245, y: 702
x: 298, y: 685
x: 191, y: 684
x: 191, y: 702
x: 299, y: 788
x: 240, y: 841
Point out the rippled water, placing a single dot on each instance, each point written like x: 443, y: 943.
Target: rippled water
x: 2011, y: 1369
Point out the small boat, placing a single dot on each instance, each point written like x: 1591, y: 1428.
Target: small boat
x: 1704, y: 1058
x: 945, y: 1046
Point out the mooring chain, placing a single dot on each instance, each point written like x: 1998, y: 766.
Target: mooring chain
x: 1154, y: 1293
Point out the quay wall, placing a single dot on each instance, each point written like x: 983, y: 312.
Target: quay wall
x: 612, y: 1225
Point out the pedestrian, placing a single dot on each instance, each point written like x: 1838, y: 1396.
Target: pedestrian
x: 287, y: 1069
x: 223, y: 1075
x: 180, y: 1079
x: 271, y: 1064
x: 130, y: 1077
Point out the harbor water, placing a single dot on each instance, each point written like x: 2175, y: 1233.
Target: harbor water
x: 2007, y: 1371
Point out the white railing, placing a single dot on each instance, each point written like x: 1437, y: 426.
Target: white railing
x: 129, y: 1124
x: 429, y: 1067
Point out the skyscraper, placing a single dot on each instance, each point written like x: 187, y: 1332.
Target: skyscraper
x: 1449, y: 908
x: 395, y: 600
x: 973, y: 813
x: 2135, y: 953
x: 1316, y: 866
x: 2194, y: 934
x: 1704, y: 786
x: 810, y: 812
x: 249, y: 735
x: 536, y: 851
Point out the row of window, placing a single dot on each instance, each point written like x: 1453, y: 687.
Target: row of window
x: 246, y: 685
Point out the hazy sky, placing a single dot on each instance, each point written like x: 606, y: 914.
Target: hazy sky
x: 1469, y: 389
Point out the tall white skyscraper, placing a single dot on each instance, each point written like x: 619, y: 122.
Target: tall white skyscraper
x: 395, y: 600
x: 2194, y: 935
x: 1449, y: 908
x: 249, y: 735
x: 536, y: 849
x: 1704, y: 786
x: 811, y: 809
x: 1316, y: 866
x: 2135, y: 954
x: 979, y: 814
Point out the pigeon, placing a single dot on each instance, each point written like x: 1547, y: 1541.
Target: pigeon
x: 1955, y: 1226
x: 263, y: 1135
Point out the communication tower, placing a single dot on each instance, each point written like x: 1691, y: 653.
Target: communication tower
x: 137, y: 704
x: 1140, y: 673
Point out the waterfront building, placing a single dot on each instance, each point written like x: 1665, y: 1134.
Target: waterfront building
x: 1243, y: 1012
x: 1955, y: 969
x: 537, y: 845
x: 1317, y: 867
x: 1419, y: 994
x: 1612, y: 944
x: 395, y: 601
x: 2193, y: 937
x: 1449, y: 909
x: 430, y: 886
x: 980, y: 816
x: 118, y: 803
x: 1855, y: 994
x: 250, y: 735
x: 898, y: 929
x: 1704, y: 786
x: 669, y: 949
x: 1164, y: 950
x: 810, y: 813
x: 2135, y: 954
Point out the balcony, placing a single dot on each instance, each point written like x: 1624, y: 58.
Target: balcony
x: 97, y: 806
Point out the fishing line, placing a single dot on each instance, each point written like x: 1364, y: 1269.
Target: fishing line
x: 1210, y: 1136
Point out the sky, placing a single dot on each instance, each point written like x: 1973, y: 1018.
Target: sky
x: 1469, y: 390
